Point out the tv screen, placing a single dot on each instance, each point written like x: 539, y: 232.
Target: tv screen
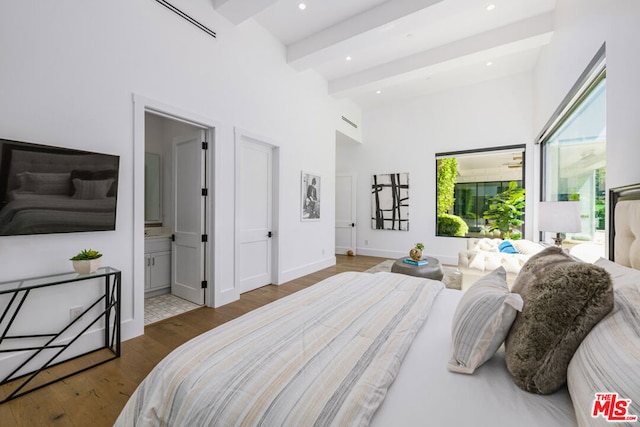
x: 46, y: 189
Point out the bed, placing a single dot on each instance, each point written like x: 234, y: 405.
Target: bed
x: 385, y: 349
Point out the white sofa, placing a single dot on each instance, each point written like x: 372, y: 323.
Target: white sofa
x: 483, y: 256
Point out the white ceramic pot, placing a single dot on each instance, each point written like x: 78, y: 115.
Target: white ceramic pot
x: 86, y: 266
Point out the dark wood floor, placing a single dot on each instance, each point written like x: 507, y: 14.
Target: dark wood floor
x: 96, y: 397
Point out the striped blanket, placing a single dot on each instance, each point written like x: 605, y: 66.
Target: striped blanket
x: 322, y: 356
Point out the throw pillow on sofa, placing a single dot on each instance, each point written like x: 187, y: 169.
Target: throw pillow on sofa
x: 563, y: 300
x: 507, y: 248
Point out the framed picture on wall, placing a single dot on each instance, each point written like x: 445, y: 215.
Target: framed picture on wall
x: 390, y: 201
x: 310, y: 196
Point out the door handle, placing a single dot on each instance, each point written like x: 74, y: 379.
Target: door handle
x: 269, y: 234
x: 353, y: 224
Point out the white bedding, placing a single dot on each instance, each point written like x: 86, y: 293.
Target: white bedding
x: 425, y: 393
x: 322, y: 356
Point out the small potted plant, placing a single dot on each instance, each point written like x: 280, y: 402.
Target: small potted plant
x: 87, y: 261
x: 416, y: 253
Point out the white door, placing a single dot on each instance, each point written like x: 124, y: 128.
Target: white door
x: 188, y: 248
x: 345, y: 213
x: 254, y: 178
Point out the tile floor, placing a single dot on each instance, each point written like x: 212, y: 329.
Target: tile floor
x: 164, y: 306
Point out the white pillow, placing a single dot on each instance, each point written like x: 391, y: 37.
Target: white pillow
x: 526, y: 247
x: 478, y: 260
x: 607, y: 359
x: 482, y: 321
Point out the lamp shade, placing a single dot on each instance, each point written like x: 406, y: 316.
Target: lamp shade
x: 559, y: 217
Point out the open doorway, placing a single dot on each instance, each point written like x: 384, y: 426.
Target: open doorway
x: 175, y: 236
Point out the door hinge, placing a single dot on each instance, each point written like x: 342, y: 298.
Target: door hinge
x: 204, y: 284
x: 205, y: 145
x: 205, y: 191
x: 173, y: 237
x: 205, y: 238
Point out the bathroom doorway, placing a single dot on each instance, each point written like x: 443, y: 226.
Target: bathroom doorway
x: 175, y: 238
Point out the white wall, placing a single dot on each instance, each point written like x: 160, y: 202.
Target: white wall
x: 582, y: 26
x: 69, y: 72
x: 405, y: 137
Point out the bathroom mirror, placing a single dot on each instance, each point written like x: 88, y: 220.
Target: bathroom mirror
x: 152, y: 190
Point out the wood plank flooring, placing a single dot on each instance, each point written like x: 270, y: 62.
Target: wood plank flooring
x: 96, y: 397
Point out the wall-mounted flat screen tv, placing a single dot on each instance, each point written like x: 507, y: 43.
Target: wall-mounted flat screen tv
x: 45, y: 189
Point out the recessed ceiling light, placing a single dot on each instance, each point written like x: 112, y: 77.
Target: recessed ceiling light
x: 348, y: 58
x: 378, y: 92
x: 302, y: 6
x: 489, y: 63
x: 490, y: 7
x: 409, y: 35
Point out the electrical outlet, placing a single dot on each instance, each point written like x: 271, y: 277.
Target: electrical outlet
x: 75, y: 312
x: 366, y: 242
x: 323, y: 252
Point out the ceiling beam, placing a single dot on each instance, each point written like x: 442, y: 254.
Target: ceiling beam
x: 311, y: 50
x: 238, y: 11
x: 533, y: 31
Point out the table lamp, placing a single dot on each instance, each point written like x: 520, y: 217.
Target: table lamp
x: 559, y: 217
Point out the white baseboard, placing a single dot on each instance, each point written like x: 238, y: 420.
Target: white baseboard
x: 294, y: 273
x: 382, y: 253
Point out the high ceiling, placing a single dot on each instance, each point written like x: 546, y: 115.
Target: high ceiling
x: 402, y: 48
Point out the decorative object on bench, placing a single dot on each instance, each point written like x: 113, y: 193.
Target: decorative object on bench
x: 416, y: 252
x: 560, y: 218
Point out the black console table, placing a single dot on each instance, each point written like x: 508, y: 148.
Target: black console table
x: 39, y: 354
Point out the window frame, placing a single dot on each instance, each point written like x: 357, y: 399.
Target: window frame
x: 486, y: 150
x: 591, y: 76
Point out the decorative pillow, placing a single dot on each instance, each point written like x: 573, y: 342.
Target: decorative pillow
x: 44, y: 183
x: 537, y: 264
x: 487, y: 245
x: 607, y: 361
x: 478, y: 260
x: 95, y: 189
x: 88, y: 175
x: 507, y: 248
x: 563, y: 300
x: 481, y: 321
x: 526, y: 247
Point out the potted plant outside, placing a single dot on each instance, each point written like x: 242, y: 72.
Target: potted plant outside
x: 87, y: 261
x: 505, y: 211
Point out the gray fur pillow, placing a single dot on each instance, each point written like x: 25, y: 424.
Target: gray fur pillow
x: 563, y: 300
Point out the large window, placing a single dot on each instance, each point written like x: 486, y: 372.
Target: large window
x: 469, y: 184
x: 574, y: 154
